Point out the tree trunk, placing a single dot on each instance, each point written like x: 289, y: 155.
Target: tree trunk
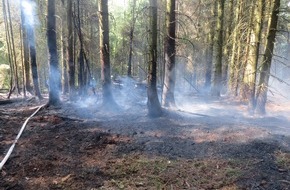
x: 209, y: 52
x: 108, y: 100
x: 81, y: 76
x: 33, y: 63
x: 229, y: 12
x: 65, y: 83
x: 8, y: 43
x: 22, y: 62
x: 31, y: 40
x: 70, y: 49
x: 267, y: 59
x: 251, y: 69
x: 153, y: 104
x: 16, y: 78
x: 242, y: 46
x: 168, y: 99
x: 247, y: 46
x: 27, y: 71
x: 129, y: 72
x: 54, y: 72
x: 217, y: 80
x: 235, y: 52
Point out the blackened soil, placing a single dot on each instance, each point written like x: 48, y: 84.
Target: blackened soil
x: 85, y: 148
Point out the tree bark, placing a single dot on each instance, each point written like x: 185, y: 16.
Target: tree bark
x: 262, y: 90
x: 251, y: 69
x: 65, y: 78
x: 65, y: 81
x: 209, y: 51
x: 108, y: 100
x: 168, y: 99
x: 70, y: 49
x: 217, y: 79
x: 22, y: 63
x: 229, y: 12
x: 54, y: 72
x: 153, y: 104
x: 81, y: 72
x: 32, y: 50
x: 27, y: 71
x: 16, y: 78
x: 234, y: 59
x: 8, y: 43
x: 129, y: 71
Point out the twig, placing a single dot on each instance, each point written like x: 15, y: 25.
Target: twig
x: 284, y: 181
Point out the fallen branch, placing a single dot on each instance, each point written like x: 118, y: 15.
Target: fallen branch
x: 17, y: 138
x: 193, y: 86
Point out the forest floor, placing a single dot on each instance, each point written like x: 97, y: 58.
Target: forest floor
x: 207, y: 144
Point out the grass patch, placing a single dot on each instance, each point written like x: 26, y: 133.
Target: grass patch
x: 283, y: 160
x: 142, y: 172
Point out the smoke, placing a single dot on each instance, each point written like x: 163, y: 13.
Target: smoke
x: 128, y: 92
x: 28, y: 7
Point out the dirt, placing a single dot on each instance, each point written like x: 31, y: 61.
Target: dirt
x: 207, y: 144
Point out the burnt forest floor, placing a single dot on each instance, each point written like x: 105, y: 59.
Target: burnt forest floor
x: 206, y: 145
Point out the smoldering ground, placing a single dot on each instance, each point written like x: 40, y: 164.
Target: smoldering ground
x: 192, y: 107
x: 87, y: 147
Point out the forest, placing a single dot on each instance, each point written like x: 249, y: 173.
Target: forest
x: 145, y: 94
x: 234, y: 48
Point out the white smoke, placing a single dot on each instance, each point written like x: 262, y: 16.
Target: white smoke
x: 29, y: 8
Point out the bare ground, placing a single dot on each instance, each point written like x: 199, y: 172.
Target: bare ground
x: 208, y: 144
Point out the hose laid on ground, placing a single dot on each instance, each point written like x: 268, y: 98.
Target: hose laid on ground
x: 17, y: 137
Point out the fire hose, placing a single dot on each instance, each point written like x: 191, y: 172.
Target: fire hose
x: 17, y: 138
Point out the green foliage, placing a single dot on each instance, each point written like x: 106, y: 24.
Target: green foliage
x: 4, y: 76
x: 120, y: 26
